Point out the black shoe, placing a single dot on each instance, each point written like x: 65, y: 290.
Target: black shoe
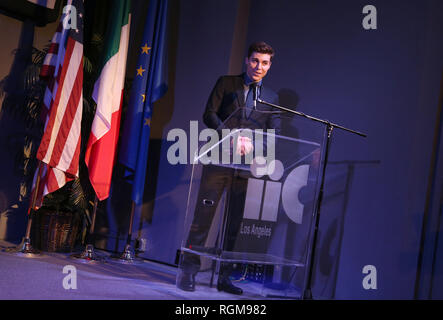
x: 224, y: 284
x: 186, y: 281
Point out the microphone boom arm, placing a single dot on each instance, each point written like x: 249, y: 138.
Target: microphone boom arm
x: 333, y: 125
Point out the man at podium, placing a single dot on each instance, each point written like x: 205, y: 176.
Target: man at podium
x: 230, y: 94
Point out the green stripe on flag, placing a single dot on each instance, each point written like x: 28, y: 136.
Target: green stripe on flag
x: 119, y: 18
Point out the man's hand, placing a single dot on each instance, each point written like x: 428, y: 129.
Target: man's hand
x: 244, y: 146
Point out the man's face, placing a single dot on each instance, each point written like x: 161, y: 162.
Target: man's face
x: 257, y: 65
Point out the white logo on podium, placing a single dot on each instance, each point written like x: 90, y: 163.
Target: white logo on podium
x: 263, y: 196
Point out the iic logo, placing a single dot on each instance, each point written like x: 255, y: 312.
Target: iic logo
x: 263, y: 196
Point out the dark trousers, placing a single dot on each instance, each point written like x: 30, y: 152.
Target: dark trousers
x: 214, y: 181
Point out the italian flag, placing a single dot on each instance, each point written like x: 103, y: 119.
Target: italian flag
x: 108, y: 93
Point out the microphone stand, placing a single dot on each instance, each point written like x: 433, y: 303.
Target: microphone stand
x: 307, y: 293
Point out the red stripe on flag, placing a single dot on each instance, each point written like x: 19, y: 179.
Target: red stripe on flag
x: 46, y: 139
x: 73, y: 168
x: 100, y: 157
x: 53, y: 48
x: 51, y: 183
x: 47, y: 71
x: 67, y: 121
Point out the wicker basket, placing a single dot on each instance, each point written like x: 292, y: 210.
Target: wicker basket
x: 55, y: 231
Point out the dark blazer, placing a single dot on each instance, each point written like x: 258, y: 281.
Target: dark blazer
x: 228, y: 96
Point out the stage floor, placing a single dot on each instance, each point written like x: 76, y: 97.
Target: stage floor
x: 43, y: 278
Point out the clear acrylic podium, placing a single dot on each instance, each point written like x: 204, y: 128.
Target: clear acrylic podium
x: 254, y: 211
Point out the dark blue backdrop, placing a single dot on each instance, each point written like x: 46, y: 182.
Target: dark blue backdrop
x: 384, y: 82
x: 383, y: 193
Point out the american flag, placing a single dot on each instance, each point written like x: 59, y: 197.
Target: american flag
x: 59, y: 149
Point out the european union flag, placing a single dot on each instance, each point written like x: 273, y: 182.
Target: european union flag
x: 150, y: 84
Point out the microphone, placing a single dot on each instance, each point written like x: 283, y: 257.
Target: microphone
x: 255, y: 94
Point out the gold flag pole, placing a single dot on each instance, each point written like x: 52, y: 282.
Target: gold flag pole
x: 25, y: 249
x: 89, y: 254
x: 127, y: 256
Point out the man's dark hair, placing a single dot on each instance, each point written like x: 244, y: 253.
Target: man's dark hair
x: 260, y: 47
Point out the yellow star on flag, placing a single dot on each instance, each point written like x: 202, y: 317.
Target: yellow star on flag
x: 145, y: 49
x: 144, y: 97
x: 140, y: 71
x: 147, y: 122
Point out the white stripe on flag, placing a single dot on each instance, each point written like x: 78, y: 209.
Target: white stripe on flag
x: 50, y: 59
x: 74, y: 135
x: 68, y: 84
x: 107, y: 94
x: 60, y: 177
